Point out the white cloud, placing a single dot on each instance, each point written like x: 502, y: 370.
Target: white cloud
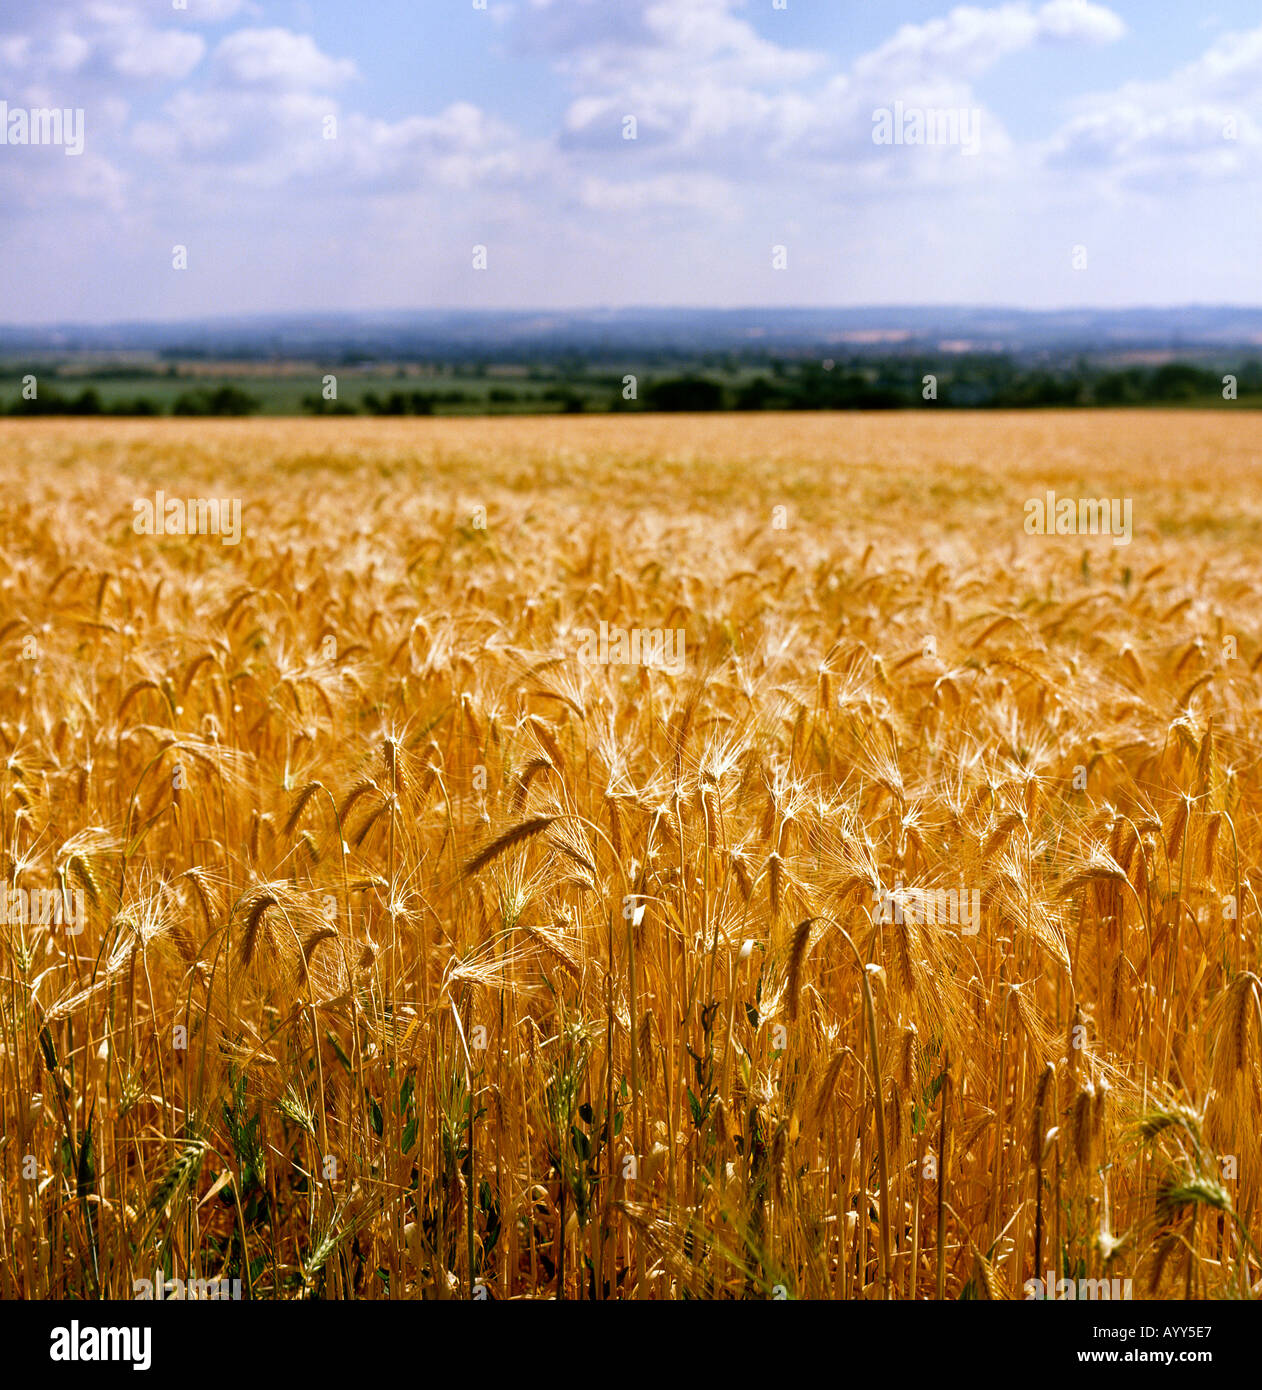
x: 769, y: 122
x: 96, y: 43
x: 1201, y: 124
x: 1230, y: 70
x: 459, y: 148
x: 278, y: 60
x: 216, y: 11
x: 269, y: 139
x: 1080, y: 21
x: 65, y: 52
x: 969, y: 40
x: 162, y: 55
x: 745, y: 138
x: 595, y: 42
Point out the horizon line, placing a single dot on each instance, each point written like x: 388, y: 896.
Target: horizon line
x: 576, y: 310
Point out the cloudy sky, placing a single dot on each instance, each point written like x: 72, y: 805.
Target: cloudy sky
x: 1119, y: 159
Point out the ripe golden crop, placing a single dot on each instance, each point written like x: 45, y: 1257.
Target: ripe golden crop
x: 636, y: 858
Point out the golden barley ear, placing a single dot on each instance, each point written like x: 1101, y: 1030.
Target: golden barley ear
x: 1241, y: 1004
x: 567, y: 838
x: 905, y: 938
x: 135, y: 690
x: 373, y: 816
x: 533, y: 769
x: 989, y: 1283
x: 199, y: 893
x: 555, y: 949
x: 543, y: 732
x: 801, y: 940
x: 255, y: 907
x: 364, y: 787
x: 775, y: 867
x: 911, y: 1058
x: 827, y: 1090
x: 300, y: 805
x: 648, y: 1057
x: 514, y: 835
x: 615, y: 823
x: 85, y: 875
x: 1205, y: 759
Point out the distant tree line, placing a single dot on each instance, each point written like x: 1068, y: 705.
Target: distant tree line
x: 994, y: 384
x: 221, y: 400
x: 562, y: 398
x: 965, y: 382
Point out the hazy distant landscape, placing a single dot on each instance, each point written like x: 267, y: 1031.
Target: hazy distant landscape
x: 690, y: 360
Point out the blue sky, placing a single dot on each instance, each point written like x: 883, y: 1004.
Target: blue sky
x: 1118, y: 157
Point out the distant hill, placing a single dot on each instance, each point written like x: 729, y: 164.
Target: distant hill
x: 610, y: 334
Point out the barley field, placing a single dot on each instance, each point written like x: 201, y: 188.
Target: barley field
x: 375, y: 927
